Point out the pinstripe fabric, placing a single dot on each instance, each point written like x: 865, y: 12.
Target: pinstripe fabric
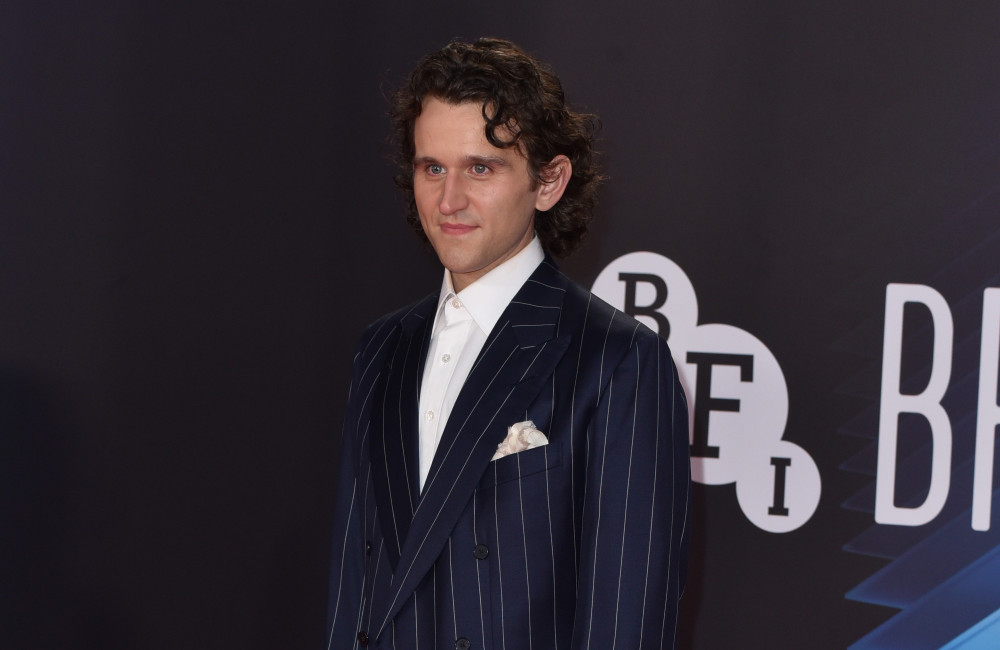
x: 578, y: 544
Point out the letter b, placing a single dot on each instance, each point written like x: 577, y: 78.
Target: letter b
x: 632, y: 309
x: 926, y: 403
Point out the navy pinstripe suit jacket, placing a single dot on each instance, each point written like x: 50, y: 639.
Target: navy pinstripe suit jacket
x: 581, y: 543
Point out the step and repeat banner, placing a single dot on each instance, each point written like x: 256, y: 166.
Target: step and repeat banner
x: 197, y: 220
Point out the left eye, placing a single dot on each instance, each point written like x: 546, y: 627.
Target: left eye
x: 480, y: 169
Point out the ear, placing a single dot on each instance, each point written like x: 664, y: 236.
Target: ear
x: 555, y: 177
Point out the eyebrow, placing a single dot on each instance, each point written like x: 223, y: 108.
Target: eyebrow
x: 492, y: 161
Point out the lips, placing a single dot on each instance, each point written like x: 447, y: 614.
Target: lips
x: 456, y: 228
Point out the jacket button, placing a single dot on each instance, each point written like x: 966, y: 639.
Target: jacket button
x: 368, y: 548
x: 362, y: 638
x: 481, y: 552
x: 462, y: 643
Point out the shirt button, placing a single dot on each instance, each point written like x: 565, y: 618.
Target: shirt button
x: 481, y: 552
x: 445, y: 358
x: 429, y: 415
x: 461, y: 643
x: 456, y: 303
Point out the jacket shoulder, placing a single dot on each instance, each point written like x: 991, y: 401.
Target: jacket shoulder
x: 596, y: 318
x: 382, y: 327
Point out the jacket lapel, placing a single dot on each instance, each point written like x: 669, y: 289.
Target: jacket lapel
x: 518, y: 357
x: 394, y: 435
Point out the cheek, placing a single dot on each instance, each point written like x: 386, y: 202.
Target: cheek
x: 423, y: 199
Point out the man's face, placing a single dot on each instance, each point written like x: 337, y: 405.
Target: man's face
x: 475, y: 201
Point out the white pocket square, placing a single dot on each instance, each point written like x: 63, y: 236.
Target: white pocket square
x: 520, y: 436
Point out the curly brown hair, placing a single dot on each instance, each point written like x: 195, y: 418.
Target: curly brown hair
x: 522, y: 99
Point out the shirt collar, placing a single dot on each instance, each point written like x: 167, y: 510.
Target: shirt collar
x: 488, y: 297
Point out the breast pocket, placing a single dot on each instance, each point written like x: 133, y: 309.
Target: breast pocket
x: 521, y: 465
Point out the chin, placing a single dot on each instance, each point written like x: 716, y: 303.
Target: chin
x: 456, y: 263
x: 460, y: 268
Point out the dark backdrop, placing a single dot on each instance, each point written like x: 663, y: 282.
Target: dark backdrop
x: 197, y: 221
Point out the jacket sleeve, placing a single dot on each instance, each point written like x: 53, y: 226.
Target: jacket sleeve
x: 346, y: 572
x: 634, y: 537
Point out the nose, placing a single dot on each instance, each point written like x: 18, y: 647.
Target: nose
x: 453, y: 197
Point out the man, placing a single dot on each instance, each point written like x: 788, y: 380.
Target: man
x: 514, y: 466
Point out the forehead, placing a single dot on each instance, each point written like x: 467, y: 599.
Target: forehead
x: 447, y: 127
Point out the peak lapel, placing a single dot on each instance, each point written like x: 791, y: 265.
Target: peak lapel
x: 394, y: 427
x: 517, y: 358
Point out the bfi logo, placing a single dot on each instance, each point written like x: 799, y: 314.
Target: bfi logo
x: 927, y: 405
x: 737, y: 395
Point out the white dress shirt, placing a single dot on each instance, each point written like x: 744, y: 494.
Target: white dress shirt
x: 461, y: 326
